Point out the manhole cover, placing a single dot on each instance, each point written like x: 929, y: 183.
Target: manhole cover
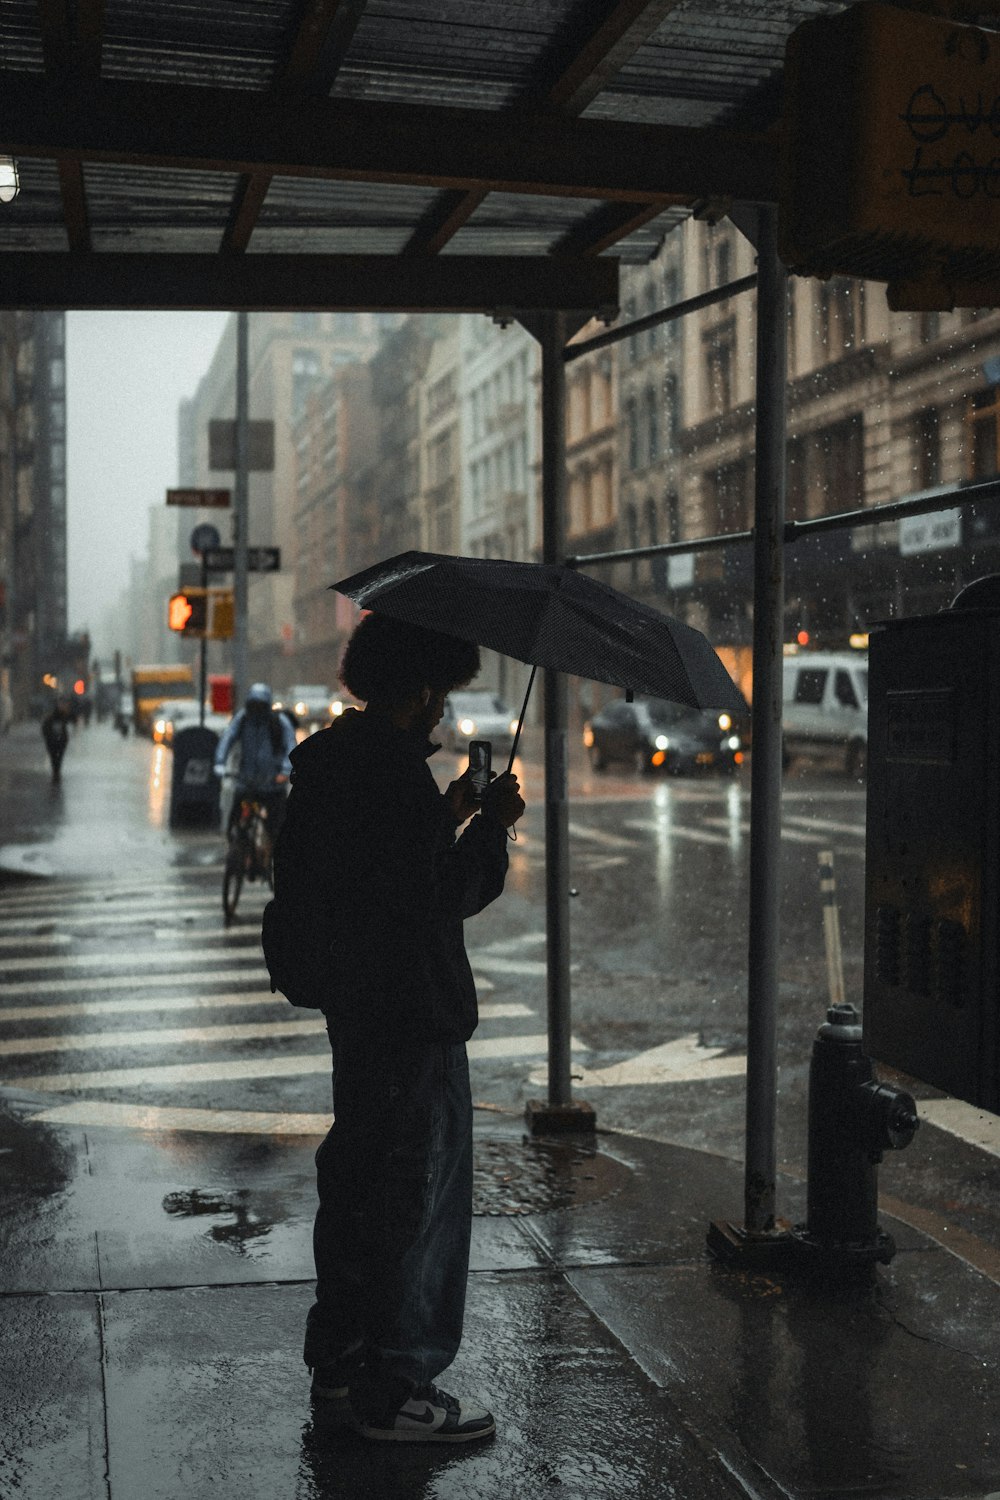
x: 532, y: 1177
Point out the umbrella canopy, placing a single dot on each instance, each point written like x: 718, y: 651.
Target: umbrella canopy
x: 547, y: 615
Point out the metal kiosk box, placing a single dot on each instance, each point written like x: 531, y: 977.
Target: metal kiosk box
x: 932, y: 924
x: 194, y: 788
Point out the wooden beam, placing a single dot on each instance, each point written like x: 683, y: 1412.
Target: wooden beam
x: 248, y: 200
x: 282, y: 283
x: 443, y: 220
x: 576, y: 69
x: 585, y: 67
x: 318, y: 47
x: 74, y: 202
x: 171, y: 125
x: 610, y: 223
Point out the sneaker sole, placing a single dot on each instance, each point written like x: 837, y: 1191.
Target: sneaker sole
x: 333, y: 1406
x: 414, y: 1435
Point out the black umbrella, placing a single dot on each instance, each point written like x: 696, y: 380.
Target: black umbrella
x: 548, y: 615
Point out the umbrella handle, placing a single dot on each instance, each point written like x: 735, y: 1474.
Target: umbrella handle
x: 524, y: 709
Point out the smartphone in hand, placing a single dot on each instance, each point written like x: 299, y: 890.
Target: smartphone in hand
x: 480, y: 766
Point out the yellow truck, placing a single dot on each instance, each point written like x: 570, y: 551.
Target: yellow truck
x: 152, y: 686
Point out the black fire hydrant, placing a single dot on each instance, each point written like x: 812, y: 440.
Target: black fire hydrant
x: 853, y: 1119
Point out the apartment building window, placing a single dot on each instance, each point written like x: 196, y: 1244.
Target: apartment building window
x: 671, y: 295
x: 632, y: 432
x: 441, y: 458
x: 652, y: 426
x: 726, y: 497
x: 672, y: 406
x: 925, y: 440
x: 651, y: 307
x: 673, y: 516
x: 630, y: 343
x: 307, y: 371
x: 826, y: 470
x: 632, y: 530
x: 929, y: 325
x: 841, y: 313
x: 723, y: 261
x: 720, y: 362
x: 983, y: 418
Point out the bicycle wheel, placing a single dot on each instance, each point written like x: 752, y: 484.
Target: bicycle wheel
x: 232, y: 881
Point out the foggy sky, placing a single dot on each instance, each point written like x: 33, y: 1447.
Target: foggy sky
x: 125, y: 374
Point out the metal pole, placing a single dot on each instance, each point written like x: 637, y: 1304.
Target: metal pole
x: 553, y: 342
x: 765, y: 779
x: 203, y: 656
x: 241, y: 512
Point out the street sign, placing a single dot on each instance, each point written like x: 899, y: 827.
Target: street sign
x: 205, y: 499
x: 259, y: 559
x: 222, y: 445
x: 204, y: 536
x: 188, y: 576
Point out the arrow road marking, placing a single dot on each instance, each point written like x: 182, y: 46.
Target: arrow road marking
x: 681, y: 1061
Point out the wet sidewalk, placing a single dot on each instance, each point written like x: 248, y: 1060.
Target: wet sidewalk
x: 155, y: 1287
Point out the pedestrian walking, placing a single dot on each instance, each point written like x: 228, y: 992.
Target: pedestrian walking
x: 371, y: 860
x: 55, y: 732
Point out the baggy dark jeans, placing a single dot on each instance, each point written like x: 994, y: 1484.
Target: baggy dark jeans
x: 391, y: 1240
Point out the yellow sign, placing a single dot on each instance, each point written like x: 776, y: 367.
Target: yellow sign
x: 891, y: 155
x: 223, y: 615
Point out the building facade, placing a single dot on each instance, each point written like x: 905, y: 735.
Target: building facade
x: 35, y: 640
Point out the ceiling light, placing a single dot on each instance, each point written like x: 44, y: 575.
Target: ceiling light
x: 10, y: 183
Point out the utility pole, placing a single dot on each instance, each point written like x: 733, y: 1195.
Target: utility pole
x: 241, y: 511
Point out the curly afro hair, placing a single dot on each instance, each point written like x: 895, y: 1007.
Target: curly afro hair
x: 389, y: 660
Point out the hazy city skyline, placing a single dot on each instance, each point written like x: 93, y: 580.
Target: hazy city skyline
x: 126, y: 372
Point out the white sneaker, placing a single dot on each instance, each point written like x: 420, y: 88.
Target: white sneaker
x: 431, y: 1416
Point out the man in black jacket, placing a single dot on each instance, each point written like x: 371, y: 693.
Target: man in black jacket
x: 369, y: 856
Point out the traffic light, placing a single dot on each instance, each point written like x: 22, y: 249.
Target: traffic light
x: 187, y: 613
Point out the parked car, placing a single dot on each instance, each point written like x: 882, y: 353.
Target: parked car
x: 312, y: 704
x: 182, y: 713
x: 652, y: 735
x: 825, y: 708
x: 473, y: 714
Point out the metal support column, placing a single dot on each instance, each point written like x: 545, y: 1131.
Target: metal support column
x: 241, y: 511
x: 765, y: 780
x: 553, y: 342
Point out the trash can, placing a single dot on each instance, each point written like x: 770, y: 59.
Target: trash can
x: 194, y: 787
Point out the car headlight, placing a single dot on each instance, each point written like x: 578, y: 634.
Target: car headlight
x: 588, y: 736
x: 160, y: 726
x: 467, y: 726
x: 300, y: 709
x: 725, y: 722
x: 661, y: 742
x: 733, y: 742
x: 277, y: 705
x: 336, y: 708
x: 513, y: 726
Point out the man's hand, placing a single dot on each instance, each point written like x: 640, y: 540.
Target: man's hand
x: 502, y: 799
x: 461, y: 798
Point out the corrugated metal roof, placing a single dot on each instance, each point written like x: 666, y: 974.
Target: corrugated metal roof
x: 693, y: 63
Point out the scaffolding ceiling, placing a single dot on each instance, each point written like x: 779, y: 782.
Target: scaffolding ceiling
x: 422, y: 154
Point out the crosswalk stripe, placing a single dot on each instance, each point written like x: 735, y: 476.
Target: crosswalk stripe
x: 104, y: 901
x: 74, y: 1009
x: 829, y: 824
x: 298, y: 1066
x: 128, y: 918
x: 176, y: 1036
x: 131, y: 981
x: 162, y: 958
x: 598, y: 836
x: 104, y: 1112
x: 39, y: 940
x: 693, y: 835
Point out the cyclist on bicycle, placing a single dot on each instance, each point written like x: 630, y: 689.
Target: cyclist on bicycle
x: 266, y: 740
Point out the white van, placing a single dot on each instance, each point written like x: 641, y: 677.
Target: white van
x: 825, y: 710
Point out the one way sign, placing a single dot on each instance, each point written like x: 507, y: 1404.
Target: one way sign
x: 259, y: 559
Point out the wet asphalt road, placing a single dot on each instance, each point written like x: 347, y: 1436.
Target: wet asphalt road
x: 124, y: 999
x: 122, y: 985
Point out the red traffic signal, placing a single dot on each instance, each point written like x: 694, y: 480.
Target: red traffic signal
x: 187, y: 613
